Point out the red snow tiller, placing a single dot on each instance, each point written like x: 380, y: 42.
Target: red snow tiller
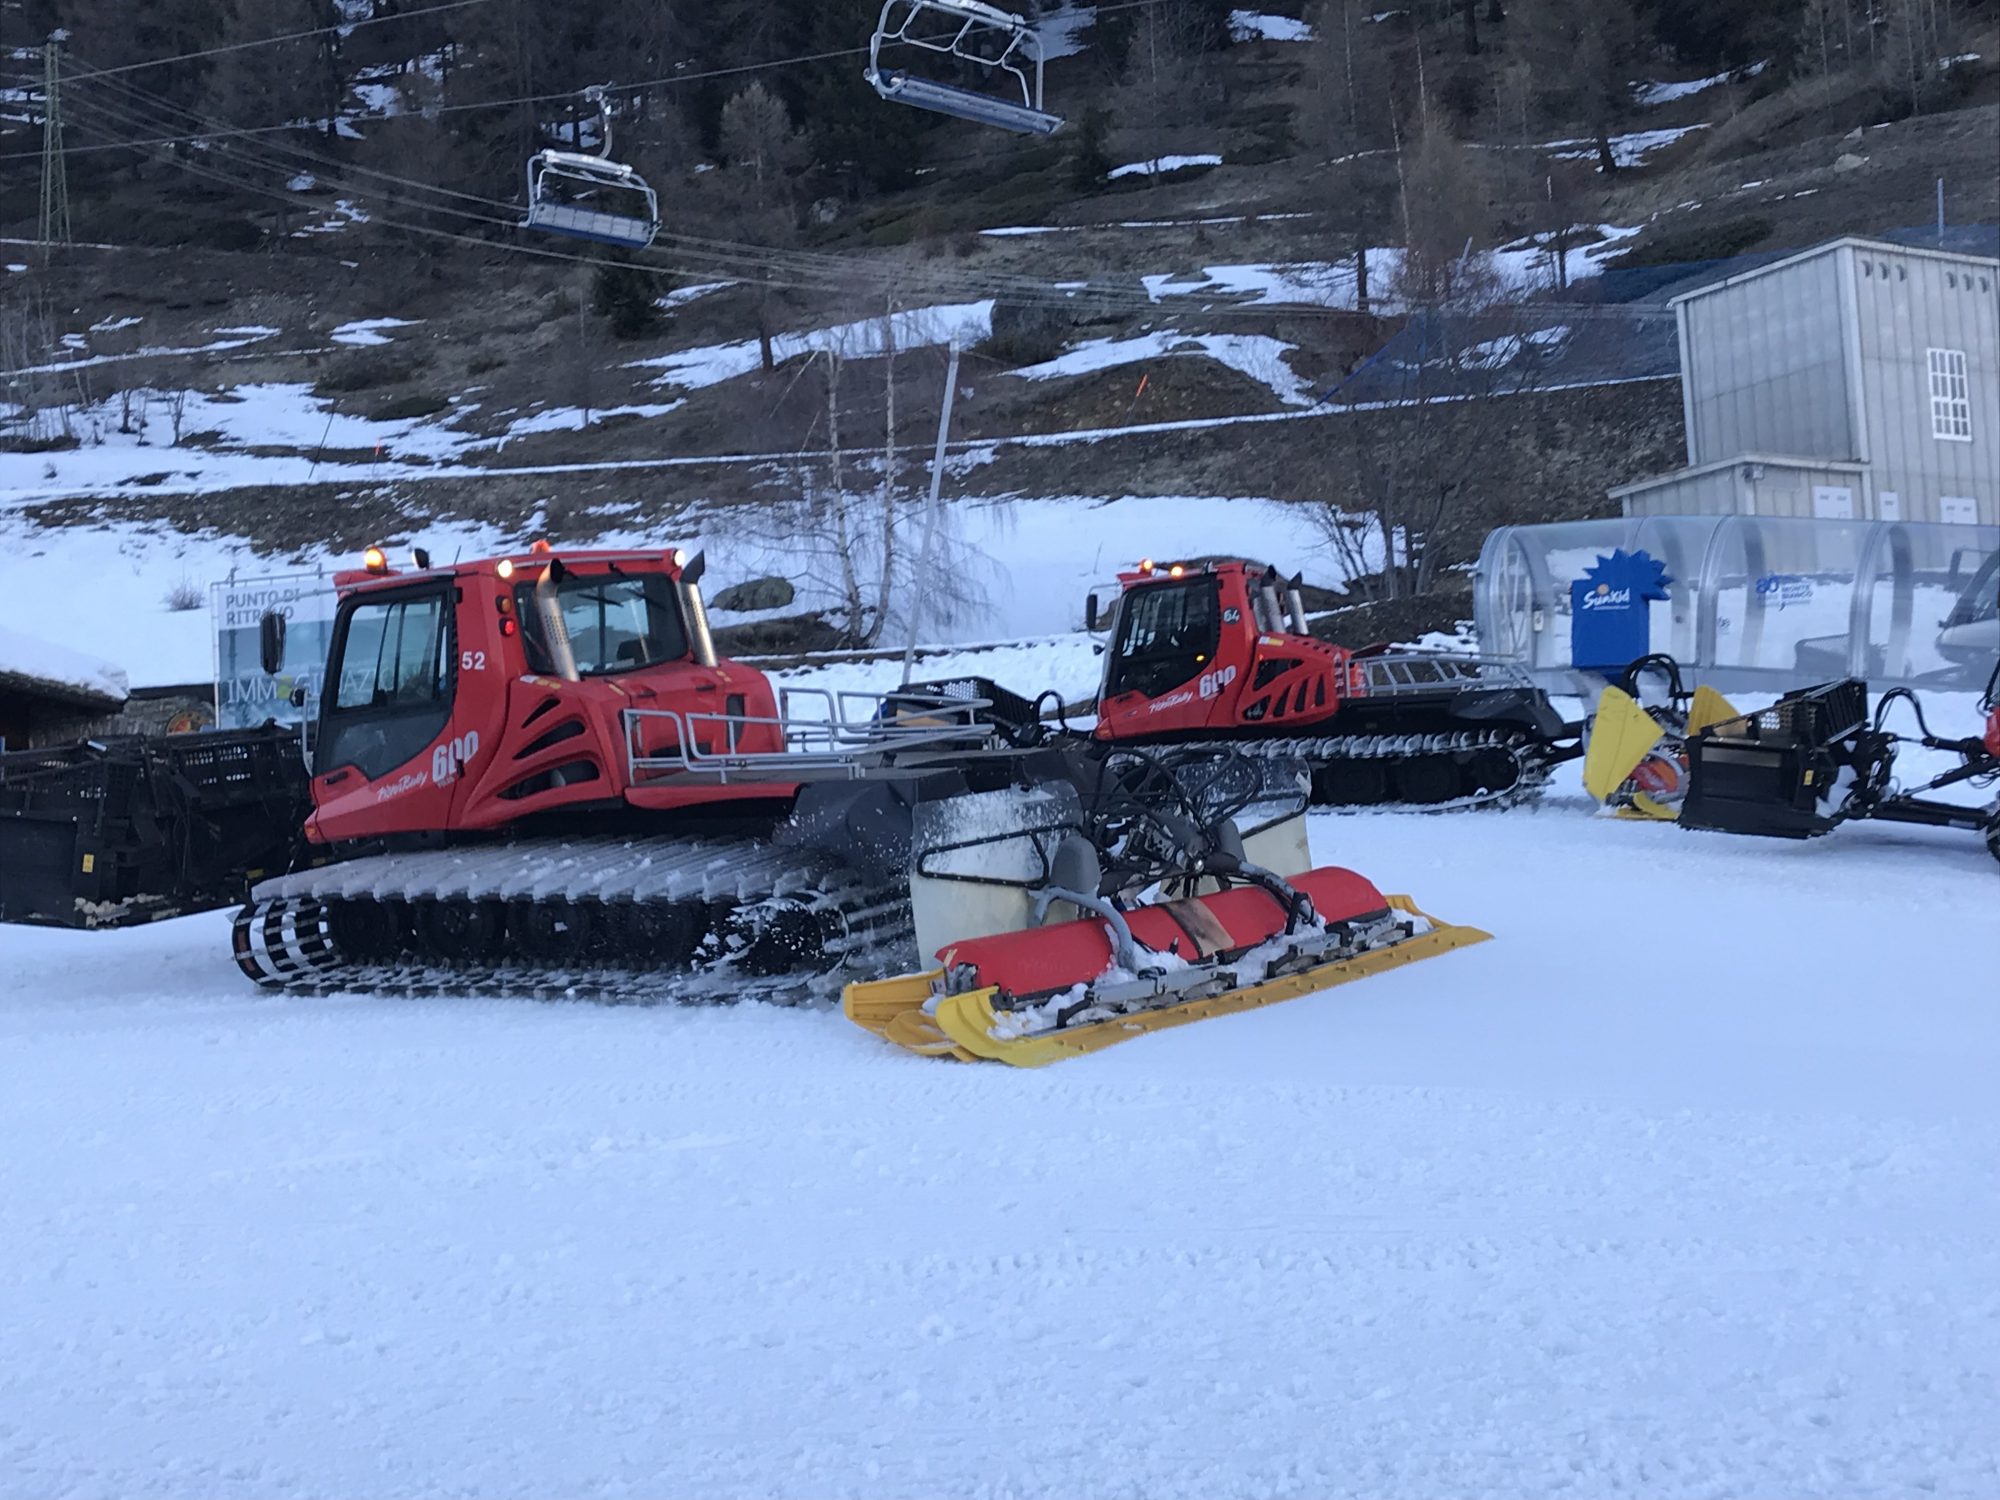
x: 1817, y: 759
x: 1175, y: 889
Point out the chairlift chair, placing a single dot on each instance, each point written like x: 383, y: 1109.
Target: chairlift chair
x: 1020, y: 51
x: 568, y: 191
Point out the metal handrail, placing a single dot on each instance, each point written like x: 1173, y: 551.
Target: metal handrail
x: 836, y: 744
x: 1417, y: 672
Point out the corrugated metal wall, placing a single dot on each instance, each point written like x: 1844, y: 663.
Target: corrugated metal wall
x: 1905, y: 306
x: 1767, y: 367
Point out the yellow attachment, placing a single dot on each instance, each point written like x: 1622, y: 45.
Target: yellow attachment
x: 965, y: 1023
x: 1646, y: 807
x: 894, y: 1010
x: 1621, y: 737
x: 1708, y: 709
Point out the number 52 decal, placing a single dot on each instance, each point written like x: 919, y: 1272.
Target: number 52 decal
x: 472, y: 661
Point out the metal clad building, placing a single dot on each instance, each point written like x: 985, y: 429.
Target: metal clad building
x: 1858, y: 380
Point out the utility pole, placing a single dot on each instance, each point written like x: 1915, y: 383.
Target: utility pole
x: 926, y: 556
x: 55, y: 177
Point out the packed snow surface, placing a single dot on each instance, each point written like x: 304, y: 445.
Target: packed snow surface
x: 1680, y: 1187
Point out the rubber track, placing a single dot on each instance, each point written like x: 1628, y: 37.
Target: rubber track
x: 283, y: 940
x: 1532, y: 768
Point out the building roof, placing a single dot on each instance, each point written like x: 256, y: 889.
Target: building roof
x: 1846, y: 241
x: 42, y: 669
x: 1716, y: 466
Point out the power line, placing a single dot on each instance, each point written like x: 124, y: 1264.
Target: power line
x: 342, y: 28
x: 672, y: 80
x: 799, y: 269
x: 702, y: 257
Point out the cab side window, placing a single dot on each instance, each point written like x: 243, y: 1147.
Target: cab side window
x: 389, y: 694
x: 393, y: 654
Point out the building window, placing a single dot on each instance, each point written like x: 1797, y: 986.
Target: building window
x: 1951, y: 397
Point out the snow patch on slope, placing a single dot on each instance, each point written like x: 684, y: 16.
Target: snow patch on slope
x: 1162, y: 164
x: 29, y: 656
x: 696, y: 369
x: 1259, y: 356
x: 1254, y: 26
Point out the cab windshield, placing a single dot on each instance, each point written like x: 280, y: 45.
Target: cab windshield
x: 1167, y: 632
x: 616, y: 623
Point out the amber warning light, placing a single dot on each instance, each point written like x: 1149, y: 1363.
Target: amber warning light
x: 375, y: 560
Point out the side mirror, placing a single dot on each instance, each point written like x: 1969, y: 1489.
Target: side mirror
x: 299, y: 696
x: 1091, y: 615
x: 271, y: 643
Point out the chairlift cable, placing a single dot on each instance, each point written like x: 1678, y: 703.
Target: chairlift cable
x: 804, y: 270
x: 342, y: 28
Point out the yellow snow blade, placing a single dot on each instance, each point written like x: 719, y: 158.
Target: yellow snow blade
x: 969, y: 1019
x: 1622, y: 735
x: 1646, y: 807
x: 1708, y: 708
x: 894, y: 1010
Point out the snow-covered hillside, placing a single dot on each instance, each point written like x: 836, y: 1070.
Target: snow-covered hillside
x: 1680, y: 1187
x: 1022, y: 570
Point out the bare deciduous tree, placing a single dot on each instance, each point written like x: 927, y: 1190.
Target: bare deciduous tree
x: 1406, y: 479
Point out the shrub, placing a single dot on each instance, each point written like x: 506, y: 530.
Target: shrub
x: 185, y: 596
x: 1716, y: 241
x: 1028, y: 333
x: 409, y: 408
x: 368, y: 372
x: 626, y: 296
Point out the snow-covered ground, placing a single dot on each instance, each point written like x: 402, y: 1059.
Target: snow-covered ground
x: 1680, y: 1187
x: 696, y: 369
x: 1627, y: 150
x: 1523, y: 266
x: 1022, y: 569
x: 1649, y: 94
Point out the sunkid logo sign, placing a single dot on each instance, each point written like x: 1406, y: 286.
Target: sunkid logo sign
x: 1610, y: 613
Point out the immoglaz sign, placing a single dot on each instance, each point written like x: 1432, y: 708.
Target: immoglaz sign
x: 245, y: 695
x: 1611, y: 610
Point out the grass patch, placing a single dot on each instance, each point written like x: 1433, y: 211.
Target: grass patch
x: 1717, y: 241
x: 368, y: 372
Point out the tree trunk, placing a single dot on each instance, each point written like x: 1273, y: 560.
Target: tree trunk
x: 1607, y: 159
x: 843, y: 537
x: 887, y: 581
x: 1361, y: 273
x: 1471, y: 8
x: 764, y: 350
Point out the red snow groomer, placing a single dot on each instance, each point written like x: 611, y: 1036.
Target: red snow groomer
x: 1211, y: 652
x: 535, y: 775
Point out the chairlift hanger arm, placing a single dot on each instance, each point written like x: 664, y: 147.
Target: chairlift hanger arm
x: 973, y: 19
